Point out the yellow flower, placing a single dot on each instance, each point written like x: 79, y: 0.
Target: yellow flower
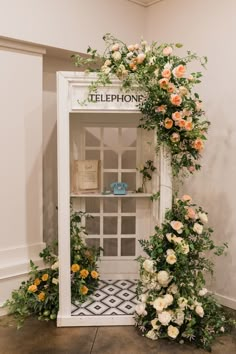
x: 37, y: 281
x: 75, y: 268
x: 45, y: 277
x: 41, y: 296
x: 84, y: 290
x: 32, y: 288
x: 84, y: 273
x: 94, y: 274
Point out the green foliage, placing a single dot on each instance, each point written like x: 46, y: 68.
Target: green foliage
x: 146, y: 171
x: 170, y: 105
x: 173, y: 301
x: 39, y: 295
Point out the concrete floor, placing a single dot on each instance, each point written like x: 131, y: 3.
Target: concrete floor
x: 37, y: 337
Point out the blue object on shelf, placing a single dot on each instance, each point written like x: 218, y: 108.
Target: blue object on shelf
x: 119, y: 188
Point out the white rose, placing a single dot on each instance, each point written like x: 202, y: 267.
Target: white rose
x: 168, y: 299
x: 168, y: 66
x: 129, y: 55
x: 154, y: 324
x: 172, y: 331
x: 179, y: 318
x: 107, y: 62
x: 171, y: 259
x: 140, y: 309
x: 198, y: 228
x: 169, y: 237
x: 55, y: 265
x: 203, y: 217
x: 153, y: 285
x: 164, y: 317
x: 167, y: 51
x: 173, y: 288
x: 55, y: 281
x: 143, y: 297
x: 152, y: 60
x: 148, y: 265
x: 116, y: 56
x: 115, y: 47
x: 202, y: 292
x: 199, y: 310
x: 184, y: 247
x: 182, y: 302
x: 163, y: 277
x: 222, y: 329
x: 170, y: 251
x: 152, y: 335
x: 159, y: 304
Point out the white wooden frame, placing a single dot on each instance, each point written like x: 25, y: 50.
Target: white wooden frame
x: 68, y: 84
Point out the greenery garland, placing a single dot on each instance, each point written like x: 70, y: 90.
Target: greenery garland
x: 173, y: 300
x: 170, y: 107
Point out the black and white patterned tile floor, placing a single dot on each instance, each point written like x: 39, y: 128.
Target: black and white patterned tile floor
x: 113, y: 297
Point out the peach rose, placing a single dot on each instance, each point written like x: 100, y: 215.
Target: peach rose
x: 191, y: 213
x: 75, y: 268
x: 175, y: 137
x: 164, y: 83
x: 136, y: 46
x: 198, y: 144
x: 175, y: 99
x: 32, y: 288
x: 181, y: 123
x: 168, y: 123
x: 140, y: 58
x: 166, y: 73
x: 84, y: 273
x: 186, y: 198
x: 188, y: 126
x: 45, y: 277
x: 133, y: 66
x: 84, y: 290
x: 37, y: 281
x: 94, y: 274
x: 186, y: 112
x: 115, y: 47
x: 131, y: 48
x: 171, y: 88
x: 167, y: 51
x: 160, y: 109
x: 177, y: 226
x: 191, y: 169
x: 179, y: 71
x: 177, y: 116
x: 41, y: 296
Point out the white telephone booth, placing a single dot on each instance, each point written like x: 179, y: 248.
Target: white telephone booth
x: 105, y: 128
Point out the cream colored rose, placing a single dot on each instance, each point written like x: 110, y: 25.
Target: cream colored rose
x: 199, y: 311
x: 175, y: 137
x: 140, y: 58
x: 182, y: 302
x: 131, y: 47
x: 177, y: 226
x: 140, y: 309
x: 184, y: 247
x: 55, y: 265
x: 115, y: 47
x: 156, y: 72
x: 164, y: 317
x: 148, y: 265
x: 55, y: 281
x: 152, y: 335
x: 171, y: 259
x: 169, y: 237
x: 170, y: 251
x: 167, y: 51
x: 154, y: 324
x: 168, y: 299
x: 172, y: 331
x: 116, y: 56
x: 202, y: 292
x: 105, y: 69
x: 107, y: 62
x: 159, y: 304
x: 129, y: 55
x: 198, y: 228
x: 183, y: 91
x: 177, y: 239
x: 136, y: 46
x: 173, y: 289
x: 203, y: 217
x: 198, y: 106
x: 179, y: 317
x: 163, y: 277
x: 186, y: 198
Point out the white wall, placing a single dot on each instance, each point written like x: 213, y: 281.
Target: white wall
x: 70, y: 24
x: 21, y: 164
x: 208, y: 27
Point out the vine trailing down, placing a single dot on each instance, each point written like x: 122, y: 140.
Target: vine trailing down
x: 173, y: 300
x: 169, y: 105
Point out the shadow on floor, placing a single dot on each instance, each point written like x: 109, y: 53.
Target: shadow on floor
x: 37, y: 337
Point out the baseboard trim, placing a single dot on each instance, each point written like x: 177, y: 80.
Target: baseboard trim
x: 226, y: 301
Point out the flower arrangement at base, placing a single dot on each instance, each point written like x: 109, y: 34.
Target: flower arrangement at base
x: 174, y: 302
x: 170, y: 106
x: 39, y: 295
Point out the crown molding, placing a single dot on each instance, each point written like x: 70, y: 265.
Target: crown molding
x: 18, y: 45
x: 146, y: 3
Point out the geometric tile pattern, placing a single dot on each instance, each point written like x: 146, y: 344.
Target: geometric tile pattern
x: 113, y: 297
